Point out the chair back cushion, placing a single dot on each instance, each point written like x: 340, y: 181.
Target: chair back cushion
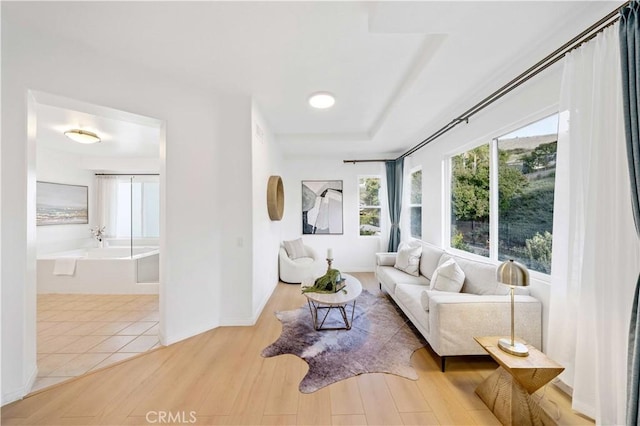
x: 295, y: 248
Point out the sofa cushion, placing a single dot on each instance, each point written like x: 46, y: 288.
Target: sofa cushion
x: 480, y: 277
x: 408, y: 258
x: 390, y: 277
x: 295, y: 248
x: 429, y: 260
x: 409, y: 296
x: 424, y: 299
x: 448, y: 277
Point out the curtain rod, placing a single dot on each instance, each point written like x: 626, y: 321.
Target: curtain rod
x: 527, y: 75
x: 364, y: 161
x: 127, y: 174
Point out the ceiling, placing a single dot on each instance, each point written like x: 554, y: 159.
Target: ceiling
x: 399, y: 70
x: 119, y: 137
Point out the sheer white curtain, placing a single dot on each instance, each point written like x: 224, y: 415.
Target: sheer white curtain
x: 595, y: 252
x: 107, y: 201
x: 405, y: 213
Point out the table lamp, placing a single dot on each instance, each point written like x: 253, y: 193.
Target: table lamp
x: 513, y: 274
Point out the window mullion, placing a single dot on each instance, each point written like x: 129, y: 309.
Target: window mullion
x: 447, y: 180
x: 494, y: 199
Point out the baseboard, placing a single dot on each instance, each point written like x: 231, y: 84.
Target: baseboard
x: 244, y: 321
x: 263, y: 303
x: 32, y: 379
x: 18, y: 394
x: 166, y: 341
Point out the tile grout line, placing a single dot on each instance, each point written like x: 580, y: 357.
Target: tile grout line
x: 79, y: 306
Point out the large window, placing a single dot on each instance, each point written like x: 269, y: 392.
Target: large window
x: 415, y: 204
x: 138, y: 209
x: 528, y: 173
x: 502, y: 196
x: 369, y: 196
x: 470, y: 200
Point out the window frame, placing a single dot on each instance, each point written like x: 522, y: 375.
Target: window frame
x: 494, y: 213
x: 143, y: 218
x: 379, y: 207
x: 410, y: 205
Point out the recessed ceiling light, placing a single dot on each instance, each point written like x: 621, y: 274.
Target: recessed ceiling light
x: 82, y: 136
x: 322, y: 100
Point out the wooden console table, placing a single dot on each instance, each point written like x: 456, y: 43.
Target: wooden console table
x: 507, y: 391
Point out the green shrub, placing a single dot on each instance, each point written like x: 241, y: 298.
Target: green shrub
x: 539, y: 248
x: 457, y: 241
x: 367, y: 232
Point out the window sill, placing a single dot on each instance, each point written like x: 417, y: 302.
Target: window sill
x: 534, y: 275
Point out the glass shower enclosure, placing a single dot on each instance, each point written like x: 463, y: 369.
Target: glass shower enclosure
x: 129, y: 209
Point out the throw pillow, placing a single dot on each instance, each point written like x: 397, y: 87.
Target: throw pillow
x: 295, y: 248
x: 448, y: 277
x: 408, y: 258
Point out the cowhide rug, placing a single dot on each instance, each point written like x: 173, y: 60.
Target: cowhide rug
x: 381, y: 340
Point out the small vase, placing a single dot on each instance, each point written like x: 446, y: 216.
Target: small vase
x: 100, y: 244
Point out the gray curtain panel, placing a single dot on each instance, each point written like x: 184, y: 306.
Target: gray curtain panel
x: 394, y: 192
x: 630, y: 64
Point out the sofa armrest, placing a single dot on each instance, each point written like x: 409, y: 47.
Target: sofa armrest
x: 456, y: 318
x: 386, y: 259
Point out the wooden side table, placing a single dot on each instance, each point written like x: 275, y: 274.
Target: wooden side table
x: 507, y: 391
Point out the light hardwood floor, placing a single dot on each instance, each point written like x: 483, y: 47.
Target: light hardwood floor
x: 219, y: 377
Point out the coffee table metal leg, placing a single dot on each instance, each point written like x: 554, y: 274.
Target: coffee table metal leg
x: 353, y: 310
x: 313, y: 309
x: 328, y: 308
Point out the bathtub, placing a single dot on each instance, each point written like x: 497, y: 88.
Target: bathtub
x: 110, y: 270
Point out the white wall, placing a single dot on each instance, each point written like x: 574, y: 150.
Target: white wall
x: 60, y: 167
x: 235, y: 209
x: 121, y: 165
x: 534, y: 100
x: 206, y: 225
x: 266, y: 159
x: 351, y: 251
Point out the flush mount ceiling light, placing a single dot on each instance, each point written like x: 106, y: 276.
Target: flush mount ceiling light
x: 322, y: 100
x: 82, y: 136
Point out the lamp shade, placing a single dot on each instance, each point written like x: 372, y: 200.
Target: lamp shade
x: 82, y: 136
x: 513, y: 273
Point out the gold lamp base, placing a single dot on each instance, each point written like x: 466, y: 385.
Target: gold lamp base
x: 517, y: 349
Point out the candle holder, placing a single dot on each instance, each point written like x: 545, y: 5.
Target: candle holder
x: 329, y: 261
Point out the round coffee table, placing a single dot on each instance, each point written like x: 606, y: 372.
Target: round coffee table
x: 340, y: 301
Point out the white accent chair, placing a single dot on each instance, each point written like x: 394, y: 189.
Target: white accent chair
x: 295, y: 271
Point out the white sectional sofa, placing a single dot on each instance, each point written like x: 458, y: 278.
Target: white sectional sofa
x: 449, y: 321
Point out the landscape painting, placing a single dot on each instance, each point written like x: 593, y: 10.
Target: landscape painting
x: 60, y: 204
x: 322, y: 207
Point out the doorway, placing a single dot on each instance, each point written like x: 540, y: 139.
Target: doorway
x: 98, y: 279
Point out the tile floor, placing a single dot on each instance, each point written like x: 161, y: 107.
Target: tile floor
x: 78, y: 333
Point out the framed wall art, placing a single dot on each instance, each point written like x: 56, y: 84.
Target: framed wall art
x: 61, y: 204
x: 322, y: 207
